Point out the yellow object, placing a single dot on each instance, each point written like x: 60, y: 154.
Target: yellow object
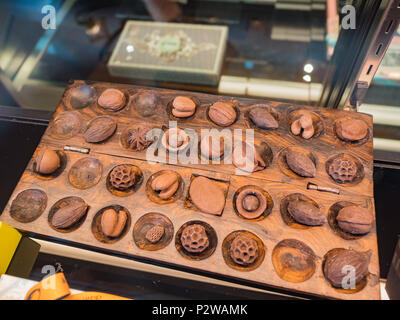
x: 9, y: 240
x: 55, y: 287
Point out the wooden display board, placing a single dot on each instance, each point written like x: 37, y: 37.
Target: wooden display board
x: 275, y: 230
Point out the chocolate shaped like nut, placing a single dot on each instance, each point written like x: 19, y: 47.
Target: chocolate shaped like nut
x: 336, y: 262
x: 166, y: 185
x: 67, y: 216
x: 100, y: 129
x: 243, y: 250
x: 112, y: 100
x: 112, y: 224
x: 248, y: 159
x: 305, y: 213
x: 262, y: 118
x: 183, y: 107
x: 304, y: 126
x: 154, y: 234
x: 194, y: 238
x: 47, y: 162
x: 300, y: 164
x: 352, y: 129
x: 207, y: 195
x: 222, y: 113
x: 355, y: 220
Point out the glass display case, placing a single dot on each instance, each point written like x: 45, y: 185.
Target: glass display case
x: 302, y: 52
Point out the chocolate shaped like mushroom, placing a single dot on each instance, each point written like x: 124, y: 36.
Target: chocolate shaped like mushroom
x: 175, y: 140
x: 183, y: 107
x: 248, y: 159
x: 251, y: 203
x: 166, y: 184
x: 303, y: 126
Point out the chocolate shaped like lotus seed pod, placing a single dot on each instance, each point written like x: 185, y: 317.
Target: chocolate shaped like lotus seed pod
x: 122, y: 177
x: 194, y: 238
x: 243, y: 250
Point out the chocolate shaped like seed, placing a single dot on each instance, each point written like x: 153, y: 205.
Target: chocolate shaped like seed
x: 67, y: 216
x: 194, y: 238
x: 154, y: 234
x: 262, y: 118
x: 355, y: 220
x: 337, y: 261
x: 207, y: 195
x: 47, y: 162
x: 300, y: 164
x: 222, y: 113
x: 305, y: 213
x: 166, y: 185
x: 244, y: 250
x: 183, y: 107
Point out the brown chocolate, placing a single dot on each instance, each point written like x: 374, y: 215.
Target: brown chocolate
x: 355, y: 220
x: 244, y: 250
x: 343, y: 170
x: 166, y: 185
x: 222, y: 113
x: 338, y: 262
x: 122, y: 177
x: 183, y: 107
x: 250, y: 160
x: 112, y: 100
x: 305, y: 213
x: 155, y: 233
x: 300, y: 164
x: 207, y: 195
x: 352, y: 130
x: 100, y: 129
x: 67, y: 216
x: 194, y: 238
x: 146, y: 103
x: 47, y: 162
x: 175, y: 139
x: 251, y: 203
x: 112, y: 224
x: 136, y: 138
x: 211, y: 150
x: 262, y: 118
x: 304, y: 126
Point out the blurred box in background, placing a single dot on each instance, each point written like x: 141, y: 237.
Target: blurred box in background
x: 175, y: 52
x: 393, y: 279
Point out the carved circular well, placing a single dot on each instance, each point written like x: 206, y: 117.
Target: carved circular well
x: 293, y: 260
x: 254, y: 215
x: 80, y: 96
x: 28, y: 205
x: 85, y: 173
x: 66, y: 125
x: 143, y: 226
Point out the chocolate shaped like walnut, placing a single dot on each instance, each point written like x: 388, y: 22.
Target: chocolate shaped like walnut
x: 122, y: 177
x: 136, y: 138
x: 343, y: 170
x: 194, y: 238
x: 243, y: 250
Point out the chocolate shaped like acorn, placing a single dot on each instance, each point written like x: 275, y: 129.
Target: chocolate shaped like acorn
x: 47, y: 162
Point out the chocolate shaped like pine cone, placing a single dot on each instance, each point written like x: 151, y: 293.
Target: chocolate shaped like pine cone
x: 194, y: 238
x: 136, y: 138
x: 122, y: 177
x: 243, y: 250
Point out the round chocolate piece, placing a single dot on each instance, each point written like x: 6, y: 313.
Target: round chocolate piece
x: 183, y: 107
x: 146, y: 103
x: 194, y: 238
x: 136, y: 138
x: 262, y: 118
x: 352, y: 130
x: 112, y: 100
x: 243, y: 250
x: 122, y: 177
x: 207, y: 195
x: 343, y: 170
x: 47, y: 162
x: 211, y: 150
x: 222, y: 113
x: 251, y: 203
x: 355, y: 220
